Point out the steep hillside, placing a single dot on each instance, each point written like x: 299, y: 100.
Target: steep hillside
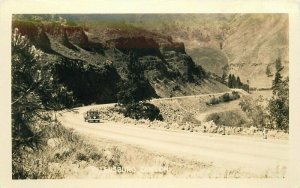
x: 211, y: 59
x: 92, y: 62
x: 255, y: 42
x: 242, y: 44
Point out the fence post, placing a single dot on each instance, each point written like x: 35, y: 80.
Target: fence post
x: 223, y: 132
x: 265, y: 133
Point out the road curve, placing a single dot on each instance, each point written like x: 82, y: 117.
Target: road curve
x: 228, y: 150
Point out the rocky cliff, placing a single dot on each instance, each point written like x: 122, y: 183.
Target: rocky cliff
x: 242, y: 44
x: 93, y: 67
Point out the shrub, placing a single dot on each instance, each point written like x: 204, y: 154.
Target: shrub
x: 226, y: 97
x: 190, y: 118
x: 228, y: 118
x: 213, y: 101
x: 176, y: 88
x: 95, y: 156
x: 81, y: 157
x: 142, y: 110
x: 32, y: 165
x: 235, y: 95
x: 256, y: 111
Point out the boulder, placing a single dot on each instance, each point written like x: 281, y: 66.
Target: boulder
x: 53, y: 142
x: 107, y: 155
x: 252, y: 130
x: 82, y: 164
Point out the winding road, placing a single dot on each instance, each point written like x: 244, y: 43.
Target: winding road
x: 234, y: 151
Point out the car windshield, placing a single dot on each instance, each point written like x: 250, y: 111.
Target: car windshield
x: 93, y: 113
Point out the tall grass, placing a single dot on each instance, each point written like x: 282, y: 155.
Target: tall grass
x: 62, y: 160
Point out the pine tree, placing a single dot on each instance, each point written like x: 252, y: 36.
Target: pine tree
x: 34, y: 92
x: 238, y: 81
x: 224, y: 77
x: 268, y: 71
x: 276, y: 83
x: 234, y: 83
x: 248, y: 86
x: 279, y: 104
x: 278, y: 64
x: 230, y: 81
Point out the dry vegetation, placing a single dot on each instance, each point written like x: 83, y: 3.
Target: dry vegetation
x: 194, y: 115
x: 62, y: 154
x: 136, y: 162
x: 67, y: 154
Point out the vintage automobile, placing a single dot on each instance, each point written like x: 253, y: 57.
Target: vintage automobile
x: 92, y: 116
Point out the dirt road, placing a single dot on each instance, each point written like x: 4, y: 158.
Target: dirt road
x: 240, y: 152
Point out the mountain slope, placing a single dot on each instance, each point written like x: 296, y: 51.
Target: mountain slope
x: 92, y: 63
x: 255, y: 44
x: 242, y: 44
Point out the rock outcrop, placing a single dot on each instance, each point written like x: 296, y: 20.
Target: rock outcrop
x: 94, y: 71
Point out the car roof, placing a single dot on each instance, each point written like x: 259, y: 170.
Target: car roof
x: 93, y: 111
